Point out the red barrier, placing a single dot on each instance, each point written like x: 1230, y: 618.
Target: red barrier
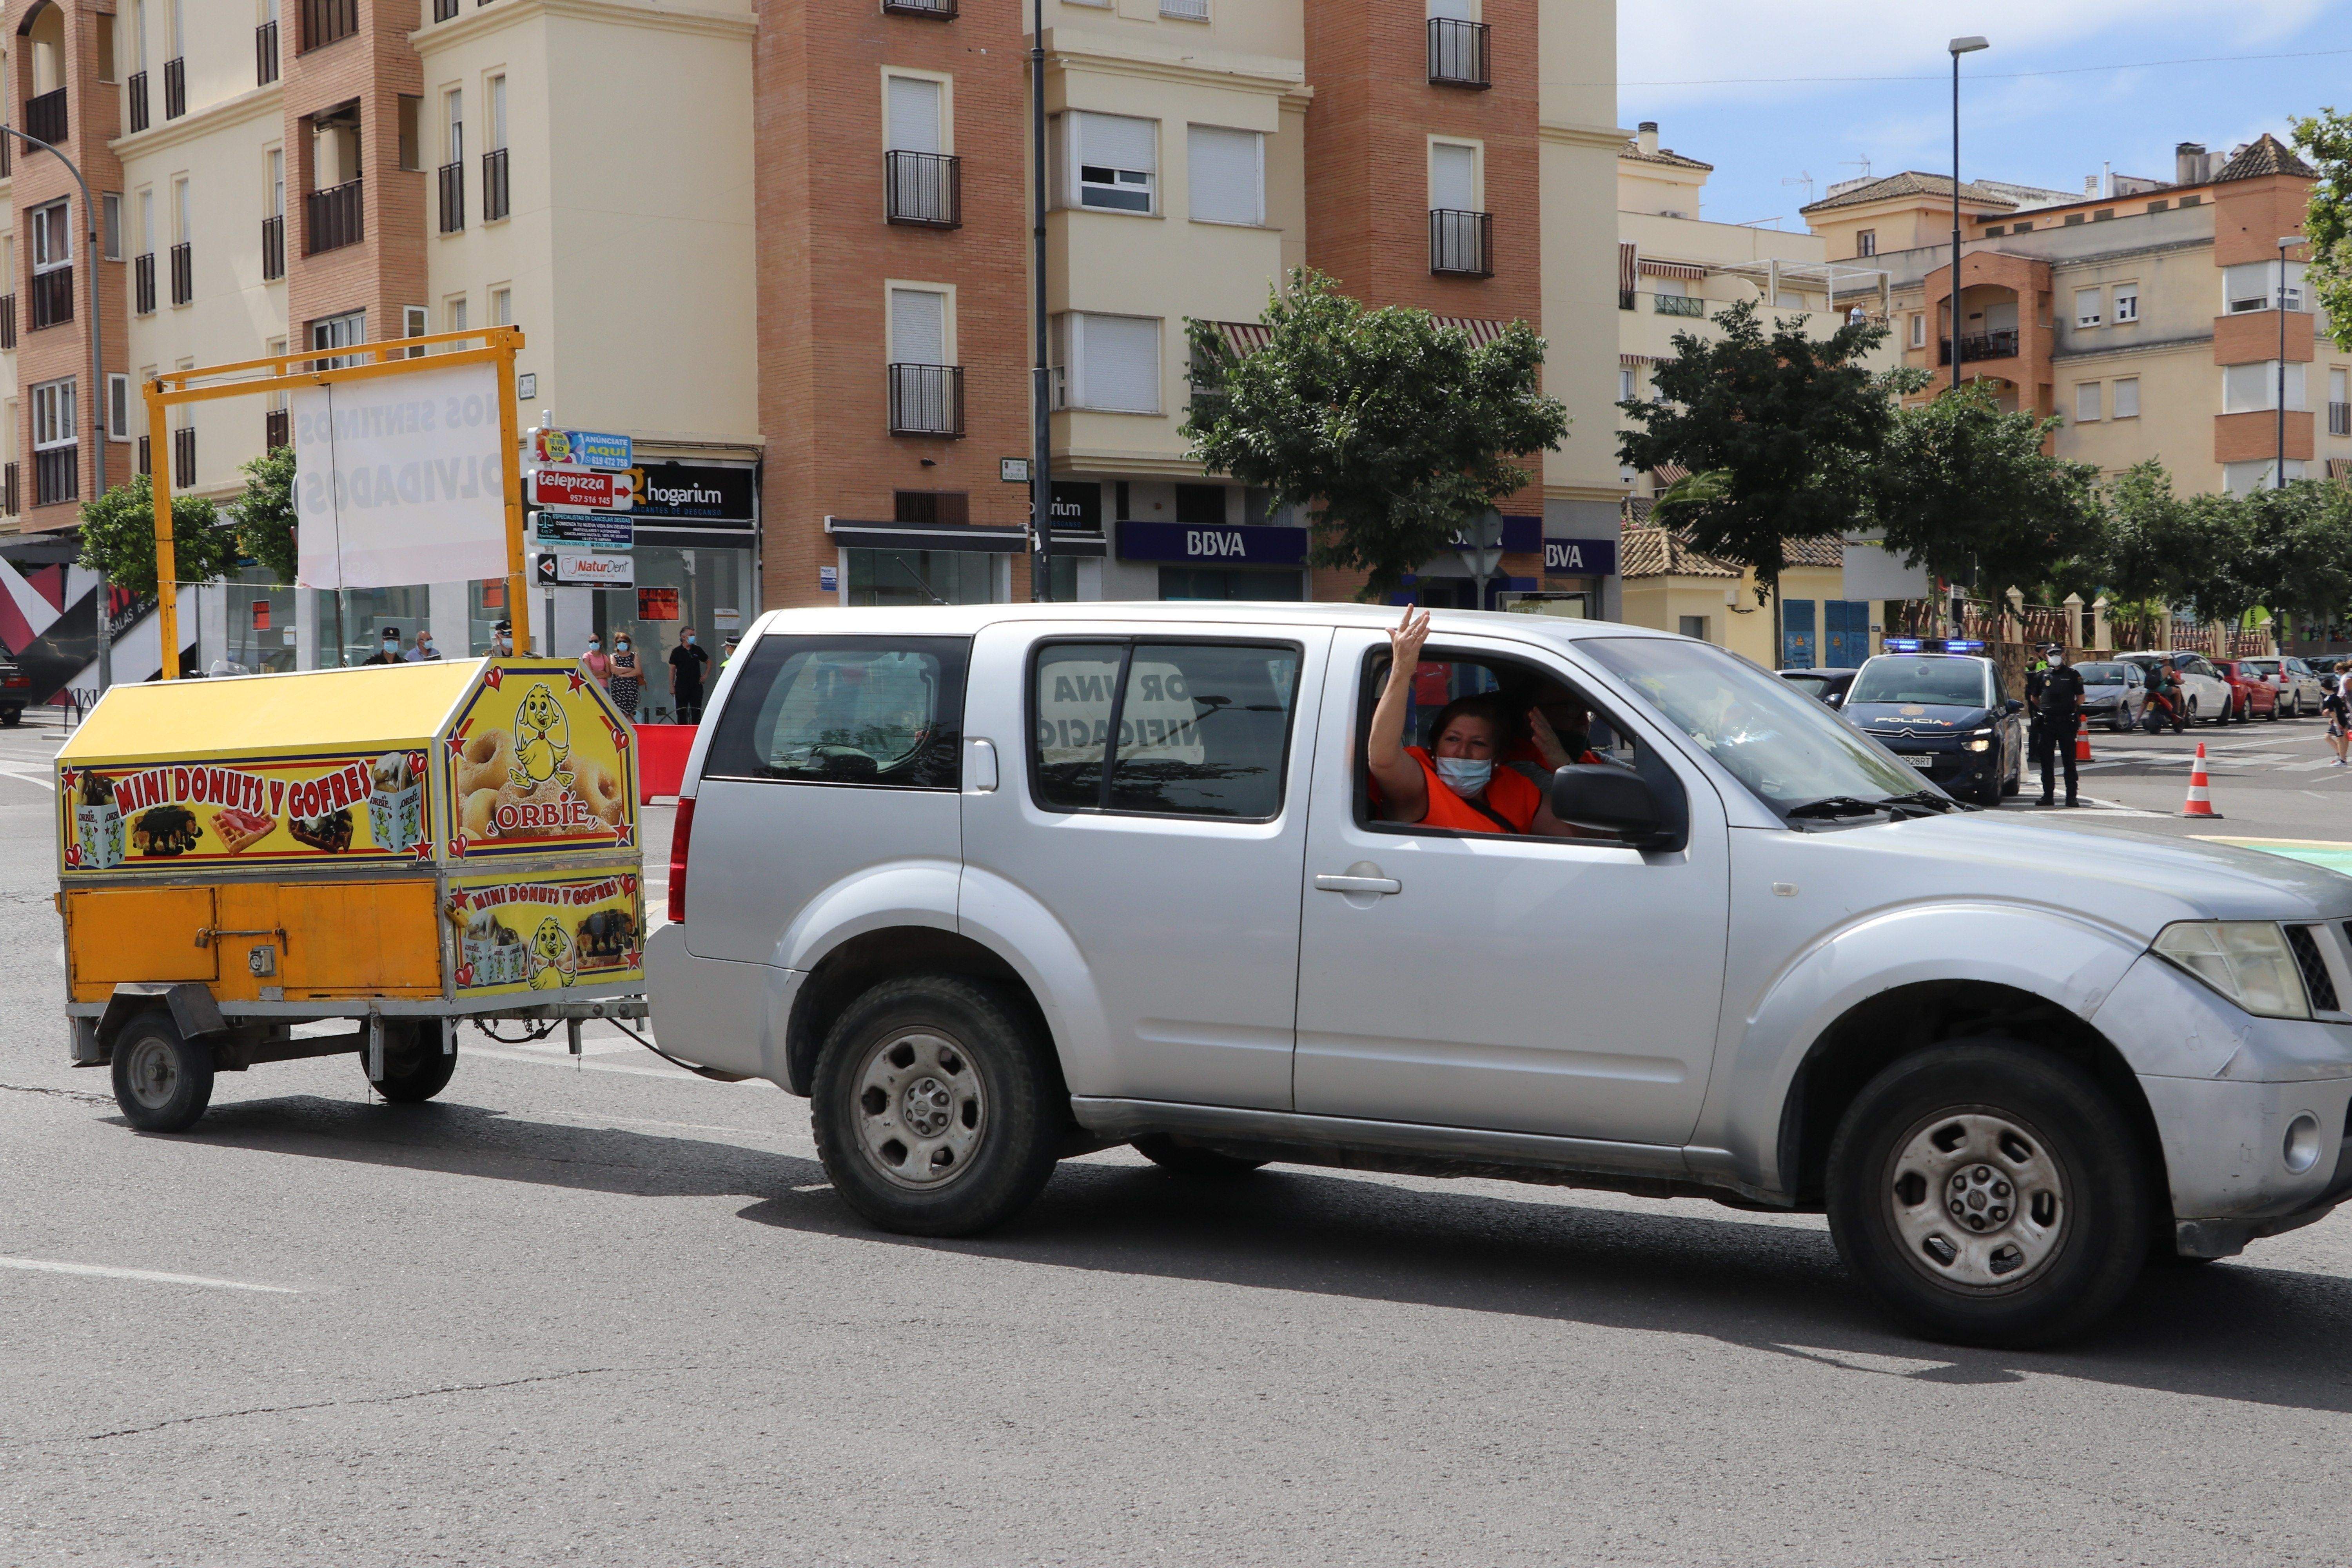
x: 661, y: 758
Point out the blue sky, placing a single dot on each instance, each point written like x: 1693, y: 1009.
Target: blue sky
x: 2037, y: 129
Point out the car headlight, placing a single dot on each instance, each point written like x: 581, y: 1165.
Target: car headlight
x: 1980, y: 739
x: 2247, y: 961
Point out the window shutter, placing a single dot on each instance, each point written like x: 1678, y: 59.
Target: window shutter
x: 2246, y: 387
x: 1224, y: 175
x: 2248, y: 284
x: 1454, y: 177
x: 1452, y: 10
x: 1119, y: 363
x: 915, y: 115
x: 1117, y: 142
x: 2128, y: 398
x: 2087, y: 403
x: 919, y: 326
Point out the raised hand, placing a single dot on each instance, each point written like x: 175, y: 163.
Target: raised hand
x: 1405, y: 640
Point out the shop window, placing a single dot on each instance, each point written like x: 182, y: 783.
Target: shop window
x: 875, y: 712
x: 951, y: 507
x: 1225, y: 582
x: 920, y: 577
x: 1162, y: 729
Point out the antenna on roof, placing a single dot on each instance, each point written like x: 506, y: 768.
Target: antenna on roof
x: 1805, y: 180
x: 1862, y: 162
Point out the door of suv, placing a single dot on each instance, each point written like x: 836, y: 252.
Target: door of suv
x: 1566, y: 986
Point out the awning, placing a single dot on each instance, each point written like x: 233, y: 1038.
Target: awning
x: 1669, y: 473
x: 1672, y: 269
x: 855, y: 535
x: 47, y: 547
x: 1627, y: 268
x: 1481, y: 333
x: 1244, y: 337
x: 1635, y: 361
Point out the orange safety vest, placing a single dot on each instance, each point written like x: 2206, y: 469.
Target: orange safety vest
x: 1509, y: 797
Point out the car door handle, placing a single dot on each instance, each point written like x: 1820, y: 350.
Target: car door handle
x: 1324, y: 882
x: 980, y: 772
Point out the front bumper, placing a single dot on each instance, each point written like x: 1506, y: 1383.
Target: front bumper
x: 1947, y: 762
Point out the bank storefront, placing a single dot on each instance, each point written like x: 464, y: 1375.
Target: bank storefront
x: 1264, y: 561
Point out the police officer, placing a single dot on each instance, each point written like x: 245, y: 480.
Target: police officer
x: 2053, y: 691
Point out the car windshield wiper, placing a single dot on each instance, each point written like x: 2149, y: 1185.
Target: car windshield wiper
x: 1834, y: 806
x: 1928, y: 801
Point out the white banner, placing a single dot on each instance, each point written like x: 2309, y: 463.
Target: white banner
x: 398, y: 479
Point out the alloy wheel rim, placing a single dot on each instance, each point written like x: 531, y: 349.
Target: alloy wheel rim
x: 921, y: 1109
x: 1978, y: 1202
x: 155, y: 1073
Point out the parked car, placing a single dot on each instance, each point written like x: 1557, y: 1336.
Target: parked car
x: 996, y: 885
x: 1945, y: 715
x: 2252, y: 694
x: 2203, y: 690
x: 1828, y: 686
x: 2115, y: 693
x: 2299, y: 690
x: 15, y: 688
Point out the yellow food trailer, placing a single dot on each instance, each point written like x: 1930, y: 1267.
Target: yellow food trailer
x: 402, y: 845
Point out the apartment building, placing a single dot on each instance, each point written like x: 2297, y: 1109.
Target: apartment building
x: 2153, y: 316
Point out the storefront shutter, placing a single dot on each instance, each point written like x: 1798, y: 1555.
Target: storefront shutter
x: 1224, y: 175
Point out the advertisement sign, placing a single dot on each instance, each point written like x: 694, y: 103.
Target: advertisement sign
x: 1585, y: 557
x: 1159, y: 723
x: 569, y: 568
x: 536, y: 762
x: 544, y: 933
x: 169, y: 816
x: 584, y: 531
x: 573, y: 489
x: 703, y: 493
x: 583, y: 449
x: 1520, y: 536
x: 1259, y: 545
x: 661, y: 604
x: 399, y: 480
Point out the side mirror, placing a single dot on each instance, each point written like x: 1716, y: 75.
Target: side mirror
x: 1610, y: 800
x: 1835, y: 699
x: 2013, y: 706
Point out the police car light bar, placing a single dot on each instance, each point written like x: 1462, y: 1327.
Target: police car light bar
x: 1902, y: 645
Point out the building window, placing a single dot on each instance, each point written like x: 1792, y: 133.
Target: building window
x: 453, y: 313
x: 2087, y: 304
x: 1114, y: 159
x: 111, y: 222
x: 494, y: 203
x: 1628, y: 385
x: 502, y: 307
x: 118, y: 407
x: 1918, y: 329
x: 1865, y: 243
x: 2253, y: 388
x: 412, y: 112
x: 919, y: 326
x: 1108, y: 362
x: 2258, y: 286
x: 415, y: 321
x: 2260, y: 474
x: 1694, y: 626
x: 2127, y: 399
x: 2087, y: 403
x: 2126, y: 303
x: 53, y: 415
x: 344, y: 332
x: 1227, y: 173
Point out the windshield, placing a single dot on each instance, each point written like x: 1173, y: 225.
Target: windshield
x: 2102, y: 674
x: 1810, y: 685
x: 1784, y: 746
x: 1954, y: 682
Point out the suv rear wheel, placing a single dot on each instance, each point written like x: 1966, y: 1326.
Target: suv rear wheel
x: 1988, y: 1194
x: 937, y: 1110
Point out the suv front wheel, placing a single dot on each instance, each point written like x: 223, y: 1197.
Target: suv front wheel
x: 937, y: 1110
x: 1988, y: 1194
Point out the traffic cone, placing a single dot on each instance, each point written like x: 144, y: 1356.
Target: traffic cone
x: 2201, y: 797
x: 2083, y: 743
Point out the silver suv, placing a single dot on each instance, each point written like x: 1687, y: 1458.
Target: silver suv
x: 995, y: 885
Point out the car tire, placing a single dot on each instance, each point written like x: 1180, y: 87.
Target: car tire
x: 162, y: 1081
x: 1191, y: 1160
x: 1969, y: 1161
x: 416, y: 1067
x: 937, y: 1107
x: 12, y: 717
x: 2190, y: 721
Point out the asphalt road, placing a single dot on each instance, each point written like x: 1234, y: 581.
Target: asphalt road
x: 608, y: 1313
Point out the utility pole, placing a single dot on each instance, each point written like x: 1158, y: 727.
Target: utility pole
x: 2278, y: 476
x: 1041, y: 412
x: 1959, y: 47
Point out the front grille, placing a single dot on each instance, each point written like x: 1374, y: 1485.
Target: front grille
x: 2316, y: 978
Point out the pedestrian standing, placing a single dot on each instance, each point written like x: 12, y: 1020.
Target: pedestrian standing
x: 424, y: 652
x: 2338, y: 708
x: 686, y: 663
x: 389, y: 652
x: 597, y: 663
x: 628, y: 675
x: 2054, y: 693
x: 502, y: 639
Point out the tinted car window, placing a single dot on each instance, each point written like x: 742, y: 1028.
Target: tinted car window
x: 2102, y: 674
x: 1952, y: 682
x: 1173, y: 729
x: 863, y: 711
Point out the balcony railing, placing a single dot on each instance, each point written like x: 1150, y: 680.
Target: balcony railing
x: 143, y: 283
x: 183, y: 458
x: 333, y: 217
x: 1185, y: 10
x: 52, y: 297
x: 276, y: 428
x: 8, y: 502
x: 925, y: 189
x: 2339, y: 419
x: 273, y: 248
x: 452, y: 180
x: 183, y: 274
x: 175, y: 88
x: 138, y: 85
x: 56, y: 475
x: 45, y: 116
x: 926, y: 400
x: 1457, y: 53
x: 7, y: 320
x: 326, y: 22
x: 1677, y: 305
x: 265, y: 54
x: 1983, y: 345
x: 494, y: 184
x: 938, y: 10
x: 1461, y: 244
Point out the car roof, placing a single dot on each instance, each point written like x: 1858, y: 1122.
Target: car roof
x: 1824, y: 671
x: 964, y: 620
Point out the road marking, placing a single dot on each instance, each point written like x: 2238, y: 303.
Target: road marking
x: 49, y: 1266
x: 49, y: 784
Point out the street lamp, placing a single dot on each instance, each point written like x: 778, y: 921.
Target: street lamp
x: 1041, y: 390
x: 1957, y: 47
x: 2286, y: 242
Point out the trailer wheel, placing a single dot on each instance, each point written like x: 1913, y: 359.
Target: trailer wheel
x: 161, y: 1081
x: 416, y: 1068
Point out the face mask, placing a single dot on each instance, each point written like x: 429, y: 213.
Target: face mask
x: 1465, y: 776
x: 690, y: 639
x: 424, y: 643
x: 623, y: 644
x: 594, y: 645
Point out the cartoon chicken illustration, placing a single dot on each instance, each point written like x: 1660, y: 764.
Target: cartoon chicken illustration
x: 552, y: 964
x: 542, y: 741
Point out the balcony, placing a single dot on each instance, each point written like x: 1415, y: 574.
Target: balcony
x: 276, y: 429
x: 273, y: 248
x: 183, y: 458
x: 924, y: 190
x: 142, y: 284
x: 56, y: 476
x: 1983, y: 345
x: 328, y: 22
x: 937, y: 10
x: 2339, y: 414
x: 1457, y: 54
x: 45, y: 117
x: 138, y: 85
x: 265, y: 54
x: 183, y: 274
x: 494, y: 184
x: 451, y: 177
x: 926, y: 400
x: 8, y: 503
x: 1461, y: 244
x: 175, y: 88
x: 1678, y: 305
x: 52, y: 298
x: 333, y: 218
x: 7, y: 320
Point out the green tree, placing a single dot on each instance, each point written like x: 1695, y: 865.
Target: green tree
x: 1777, y: 430
x: 2325, y: 138
x: 2143, y: 536
x: 2295, y: 550
x: 1967, y: 491
x: 1395, y: 433
x: 118, y: 537
x: 263, y: 514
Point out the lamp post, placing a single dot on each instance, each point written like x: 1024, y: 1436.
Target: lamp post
x: 1957, y: 47
x: 1041, y: 412
x: 97, y: 403
x: 2278, y: 475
